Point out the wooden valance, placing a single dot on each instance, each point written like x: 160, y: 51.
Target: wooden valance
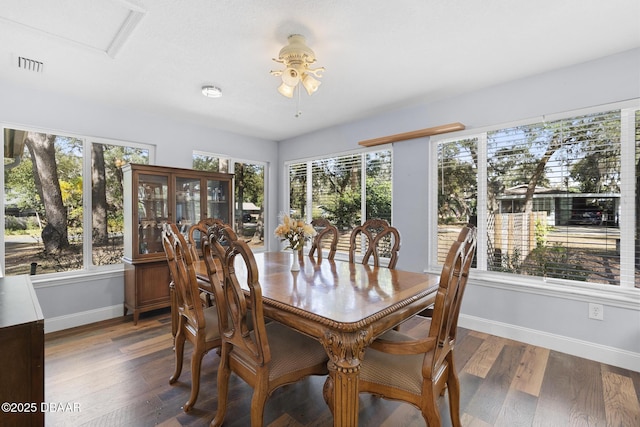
x: 451, y: 127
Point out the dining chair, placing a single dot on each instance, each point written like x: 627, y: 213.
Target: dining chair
x: 196, y: 323
x: 462, y: 235
x: 417, y: 370
x: 268, y: 356
x: 381, y: 240
x: 198, y: 232
x: 325, y: 230
x: 201, y: 228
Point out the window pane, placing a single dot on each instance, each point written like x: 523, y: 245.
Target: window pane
x: 106, y: 199
x: 249, y: 182
x: 202, y: 162
x: 378, y: 188
x: 553, y: 194
x: 336, y: 194
x: 337, y: 190
x: 457, y: 190
x: 298, y: 190
x: 43, y: 203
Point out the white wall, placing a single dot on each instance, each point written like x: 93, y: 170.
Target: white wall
x: 554, y: 321
x: 71, y: 301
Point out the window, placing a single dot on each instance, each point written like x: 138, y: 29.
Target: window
x: 249, y: 190
x: 546, y: 197
x: 107, y: 221
x: 343, y: 189
x: 47, y: 229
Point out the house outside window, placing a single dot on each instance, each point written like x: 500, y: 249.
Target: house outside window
x: 548, y: 197
x: 47, y: 228
x: 345, y: 189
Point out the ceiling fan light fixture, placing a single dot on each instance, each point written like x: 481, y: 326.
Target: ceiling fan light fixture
x: 297, y: 58
x: 211, y: 91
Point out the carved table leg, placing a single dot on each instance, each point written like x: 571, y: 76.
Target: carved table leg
x: 345, y: 350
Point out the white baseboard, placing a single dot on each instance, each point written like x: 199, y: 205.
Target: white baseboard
x: 83, y: 318
x: 588, y: 350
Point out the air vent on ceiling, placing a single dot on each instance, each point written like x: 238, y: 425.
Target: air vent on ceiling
x: 30, y: 64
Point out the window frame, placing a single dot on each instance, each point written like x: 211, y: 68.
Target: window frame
x: 87, y: 244
x: 286, y: 184
x: 537, y: 284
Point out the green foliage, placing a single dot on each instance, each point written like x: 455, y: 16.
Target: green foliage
x: 508, y: 263
x: 541, y: 229
x: 208, y: 163
x: 555, y: 261
x: 378, y: 198
x: 115, y: 156
x: 457, y: 181
x: 250, y: 177
x: 11, y: 223
x: 344, y: 210
x: 298, y: 189
x: 20, y: 187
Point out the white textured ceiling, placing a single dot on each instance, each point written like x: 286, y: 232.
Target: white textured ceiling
x: 154, y: 55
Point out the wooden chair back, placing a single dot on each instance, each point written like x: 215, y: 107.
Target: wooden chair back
x: 380, y: 240
x: 197, y: 234
x: 325, y: 230
x: 180, y: 261
x: 453, y: 281
x: 224, y: 241
x: 190, y: 319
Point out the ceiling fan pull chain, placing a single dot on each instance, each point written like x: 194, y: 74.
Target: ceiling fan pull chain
x: 298, y: 112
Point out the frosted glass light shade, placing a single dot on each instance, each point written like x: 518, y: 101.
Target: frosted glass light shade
x: 286, y: 90
x: 310, y: 84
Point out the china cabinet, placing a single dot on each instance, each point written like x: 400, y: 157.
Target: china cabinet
x: 154, y: 195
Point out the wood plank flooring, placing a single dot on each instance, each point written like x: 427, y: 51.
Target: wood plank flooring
x: 116, y: 374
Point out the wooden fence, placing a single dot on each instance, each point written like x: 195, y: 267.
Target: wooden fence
x: 512, y: 233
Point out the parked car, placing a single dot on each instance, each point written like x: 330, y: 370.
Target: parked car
x: 586, y: 218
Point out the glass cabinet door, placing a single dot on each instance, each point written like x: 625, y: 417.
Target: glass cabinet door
x: 218, y: 200
x: 187, y: 203
x: 152, y: 212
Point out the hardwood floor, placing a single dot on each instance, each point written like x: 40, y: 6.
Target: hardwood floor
x: 116, y: 374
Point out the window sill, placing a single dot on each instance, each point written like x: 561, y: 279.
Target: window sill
x: 628, y: 298
x: 70, y: 277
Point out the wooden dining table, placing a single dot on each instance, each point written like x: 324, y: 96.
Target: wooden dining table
x: 343, y: 305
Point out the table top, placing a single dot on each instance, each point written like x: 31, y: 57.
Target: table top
x: 343, y: 295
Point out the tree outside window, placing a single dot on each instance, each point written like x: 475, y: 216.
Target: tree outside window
x: 45, y: 227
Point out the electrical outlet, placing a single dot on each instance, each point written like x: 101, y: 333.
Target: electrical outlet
x: 596, y: 311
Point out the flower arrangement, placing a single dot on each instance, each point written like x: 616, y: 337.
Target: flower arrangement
x: 294, y: 231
